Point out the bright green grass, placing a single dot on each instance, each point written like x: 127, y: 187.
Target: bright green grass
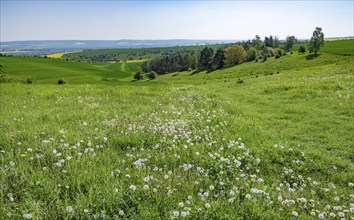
x: 51, y: 70
x: 340, y: 47
x: 173, y: 124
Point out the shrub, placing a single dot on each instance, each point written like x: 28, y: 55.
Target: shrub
x: 277, y: 56
x: 152, y: 75
x: 138, y: 76
x: 302, y: 49
x: 30, y: 80
x: 62, y: 81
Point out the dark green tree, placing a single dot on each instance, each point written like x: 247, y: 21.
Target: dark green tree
x: 317, y: 40
x: 205, y: 58
x: 289, y: 42
x: 219, y: 59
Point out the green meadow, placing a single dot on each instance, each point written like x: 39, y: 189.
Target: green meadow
x: 261, y: 140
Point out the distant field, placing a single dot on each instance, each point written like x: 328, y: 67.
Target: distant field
x: 58, y: 55
x: 51, y: 70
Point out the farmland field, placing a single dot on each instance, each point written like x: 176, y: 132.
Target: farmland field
x: 260, y: 140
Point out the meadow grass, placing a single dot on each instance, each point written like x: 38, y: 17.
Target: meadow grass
x: 261, y: 140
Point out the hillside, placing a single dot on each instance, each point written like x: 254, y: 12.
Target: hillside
x: 260, y: 140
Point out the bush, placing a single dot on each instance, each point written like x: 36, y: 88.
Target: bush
x: 61, y: 81
x: 138, y: 76
x: 152, y: 75
x: 277, y: 56
x: 302, y: 49
x: 30, y: 80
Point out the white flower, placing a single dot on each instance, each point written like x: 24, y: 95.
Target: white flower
x: 295, y: 213
x: 207, y: 205
x: 183, y: 214
x: 85, y: 123
x: 132, y: 187
x: 231, y: 200
x: 350, y: 184
x: 105, y: 139
x: 116, y: 190
x: 146, y: 187
x: 180, y: 204
x: 197, y: 153
x: 176, y: 213
x: 248, y: 196
x: 166, y: 176
x: 341, y: 214
x: 27, y: 216
x: 154, y: 190
x: 190, y: 197
x: 211, y: 187
x: 336, y: 198
x: 69, y: 209
x: 121, y: 212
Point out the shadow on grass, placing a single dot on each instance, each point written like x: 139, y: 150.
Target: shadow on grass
x: 312, y: 56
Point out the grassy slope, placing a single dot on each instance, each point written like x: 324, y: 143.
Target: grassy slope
x: 301, y: 103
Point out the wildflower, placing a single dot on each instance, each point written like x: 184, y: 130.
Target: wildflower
x: 321, y: 216
x: 332, y: 215
x: 341, y: 214
x: 295, y: 213
x: 69, y: 209
x: 211, y: 187
x: 85, y: 123
x: 180, y: 204
x: 154, y: 190
x: 146, y: 187
x: 184, y: 214
x: 132, y: 187
x: 27, y: 216
x: 105, y: 139
x: 175, y: 213
x: 248, y: 196
x: 116, y: 190
x: 336, y: 198
x: 207, y: 205
x: 231, y: 200
x: 350, y: 184
x: 189, y: 197
x: 121, y: 213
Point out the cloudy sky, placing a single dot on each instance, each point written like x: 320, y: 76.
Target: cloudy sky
x: 113, y: 20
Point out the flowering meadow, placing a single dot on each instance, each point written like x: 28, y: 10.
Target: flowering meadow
x: 277, y: 144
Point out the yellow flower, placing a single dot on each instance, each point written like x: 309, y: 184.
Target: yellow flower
x: 23, y: 155
x: 311, y: 200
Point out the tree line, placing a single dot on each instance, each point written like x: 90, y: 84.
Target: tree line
x: 209, y: 59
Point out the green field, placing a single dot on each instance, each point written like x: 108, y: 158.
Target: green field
x: 261, y: 140
x: 51, y: 70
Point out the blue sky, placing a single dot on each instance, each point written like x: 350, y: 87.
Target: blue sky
x: 113, y: 20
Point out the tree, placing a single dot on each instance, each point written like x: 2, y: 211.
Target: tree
x: 317, y: 40
x: 192, y: 60
x: 138, y: 76
x: 302, y: 49
x: 152, y: 75
x: 219, y: 59
x: 205, y: 58
x: 252, y: 54
x: 235, y: 54
x: 257, y: 42
x: 289, y: 43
